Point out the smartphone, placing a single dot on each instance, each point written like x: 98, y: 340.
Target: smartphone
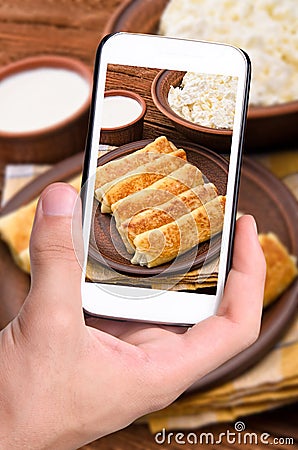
x: 161, y: 177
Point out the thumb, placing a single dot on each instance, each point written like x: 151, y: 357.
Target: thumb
x: 55, y: 245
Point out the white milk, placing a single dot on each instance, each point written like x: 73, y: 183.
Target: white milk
x: 119, y: 110
x: 38, y: 98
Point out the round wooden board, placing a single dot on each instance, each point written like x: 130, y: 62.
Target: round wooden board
x: 261, y: 194
x: 108, y: 247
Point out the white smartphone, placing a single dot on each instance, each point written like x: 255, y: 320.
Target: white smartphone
x: 161, y: 177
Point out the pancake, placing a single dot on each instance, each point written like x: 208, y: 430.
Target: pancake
x: 119, y: 167
x: 167, y: 212
x: 163, y: 190
x: 160, y: 245
x: 281, y: 267
x: 15, y: 229
x: 23, y: 260
x: 141, y: 178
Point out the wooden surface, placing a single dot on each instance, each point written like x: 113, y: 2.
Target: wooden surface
x: 273, y: 423
x: 73, y: 27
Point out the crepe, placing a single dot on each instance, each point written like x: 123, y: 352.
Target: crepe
x: 163, y: 190
x: 165, y: 213
x: 119, y: 167
x: 141, y: 178
x: 160, y: 245
x: 15, y: 229
x: 23, y: 260
x: 281, y: 267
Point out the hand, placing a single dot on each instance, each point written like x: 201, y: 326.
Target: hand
x: 63, y: 384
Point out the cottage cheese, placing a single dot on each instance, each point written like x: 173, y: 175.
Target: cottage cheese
x: 266, y: 29
x: 207, y: 100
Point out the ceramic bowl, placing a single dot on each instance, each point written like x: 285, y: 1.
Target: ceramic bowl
x: 127, y: 132
x: 216, y: 139
x: 49, y: 143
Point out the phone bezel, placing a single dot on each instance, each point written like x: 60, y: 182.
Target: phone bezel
x: 150, y: 305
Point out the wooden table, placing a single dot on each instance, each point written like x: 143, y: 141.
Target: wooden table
x: 69, y: 27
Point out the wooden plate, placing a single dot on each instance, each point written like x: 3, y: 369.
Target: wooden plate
x: 108, y: 245
x: 261, y: 194
x: 268, y: 127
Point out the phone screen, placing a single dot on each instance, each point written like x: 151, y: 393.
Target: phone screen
x: 160, y: 191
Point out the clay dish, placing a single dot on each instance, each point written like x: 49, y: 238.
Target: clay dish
x: 127, y: 132
x: 54, y: 142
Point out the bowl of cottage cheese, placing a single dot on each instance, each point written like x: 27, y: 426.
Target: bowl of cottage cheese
x: 266, y: 30
x: 201, y: 106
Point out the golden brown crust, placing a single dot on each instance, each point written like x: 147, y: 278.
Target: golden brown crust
x: 143, y: 177
x: 15, y: 228
x: 163, y: 244
x: 163, y: 190
x: 119, y: 167
x: 165, y: 213
x: 160, y: 145
x: 281, y: 267
x: 23, y: 260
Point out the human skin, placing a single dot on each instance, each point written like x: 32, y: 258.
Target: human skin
x: 64, y: 383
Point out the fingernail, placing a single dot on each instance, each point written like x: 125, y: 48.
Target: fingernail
x: 59, y: 201
x: 255, y: 224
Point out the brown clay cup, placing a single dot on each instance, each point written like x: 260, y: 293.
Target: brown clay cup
x: 55, y: 142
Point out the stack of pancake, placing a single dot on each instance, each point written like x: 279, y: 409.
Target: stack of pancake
x: 160, y: 203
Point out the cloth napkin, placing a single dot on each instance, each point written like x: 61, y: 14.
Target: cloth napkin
x: 271, y: 383
x: 17, y: 176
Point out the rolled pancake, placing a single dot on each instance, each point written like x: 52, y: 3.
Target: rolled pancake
x: 119, y: 167
x: 281, y: 267
x: 167, y: 212
x: 181, y: 180
x: 23, y: 260
x: 15, y: 229
x: 160, y: 245
x: 141, y: 178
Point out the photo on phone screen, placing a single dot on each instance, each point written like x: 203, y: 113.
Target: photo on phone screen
x: 161, y: 179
